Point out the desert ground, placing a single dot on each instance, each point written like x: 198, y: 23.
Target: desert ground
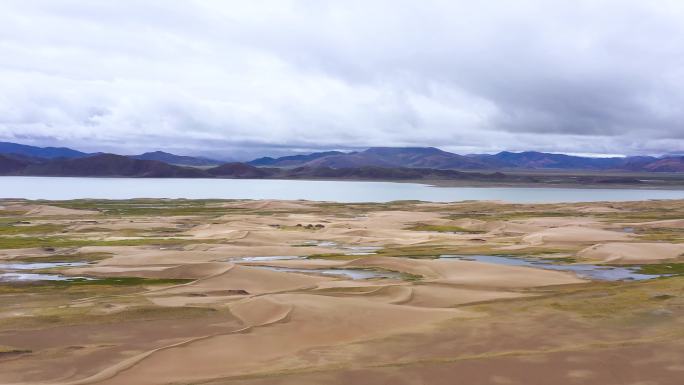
x: 301, y: 292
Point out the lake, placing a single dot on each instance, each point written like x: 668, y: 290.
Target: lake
x: 60, y: 188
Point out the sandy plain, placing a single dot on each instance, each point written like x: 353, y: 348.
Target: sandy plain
x: 183, y: 292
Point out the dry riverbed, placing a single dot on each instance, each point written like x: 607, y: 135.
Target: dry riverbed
x: 299, y: 292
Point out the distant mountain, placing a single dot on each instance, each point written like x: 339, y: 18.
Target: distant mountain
x: 108, y: 165
x: 422, y: 157
x: 669, y: 164
x: 24, y: 158
x: 434, y: 158
x: 292, y: 160
x: 10, y: 165
x: 541, y: 160
x: 180, y: 160
x: 241, y: 170
x: 40, y: 152
x: 413, y: 157
x: 52, y: 161
x: 384, y: 173
x: 349, y: 160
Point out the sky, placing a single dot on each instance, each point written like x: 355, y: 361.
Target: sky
x: 240, y: 79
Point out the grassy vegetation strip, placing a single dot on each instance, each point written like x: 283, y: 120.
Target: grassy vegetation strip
x: 60, y: 242
x: 661, y: 234
x: 108, y: 281
x: 433, y: 251
x: 8, y: 351
x: 662, y: 268
x: 160, y: 207
x: 76, y: 257
x: 81, y: 316
x: 12, y: 229
x: 334, y: 256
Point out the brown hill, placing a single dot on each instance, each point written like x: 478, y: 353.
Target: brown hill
x: 673, y: 164
x: 241, y: 170
x: 11, y: 165
x: 110, y: 165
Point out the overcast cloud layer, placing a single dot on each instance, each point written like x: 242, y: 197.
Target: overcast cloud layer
x: 240, y: 78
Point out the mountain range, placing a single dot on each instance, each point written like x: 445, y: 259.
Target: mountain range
x: 30, y: 160
x: 180, y: 160
x: 23, y: 151
x: 39, y: 152
x: 110, y: 165
x: 434, y: 158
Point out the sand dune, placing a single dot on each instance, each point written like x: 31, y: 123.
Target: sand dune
x: 400, y: 219
x: 252, y: 280
x: 223, y: 231
x: 431, y: 295
x: 558, y: 221
x: 312, y: 321
x: 391, y: 294
x: 185, y: 271
x: 146, y: 255
x: 449, y: 296
x: 629, y: 253
x: 236, y: 319
x: 669, y: 223
x: 268, y: 204
x: 471, y: 224
x: 573, y: 234
x: 598, y: 209
x: 259, y: 311
x: 472, y: 273
x: 45, y: 210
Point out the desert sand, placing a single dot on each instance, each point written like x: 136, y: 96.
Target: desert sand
x: 250, y: 292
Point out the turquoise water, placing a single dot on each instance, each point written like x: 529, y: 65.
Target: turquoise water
x: 338, y: 191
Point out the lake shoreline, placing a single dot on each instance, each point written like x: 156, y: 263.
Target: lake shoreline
x: 679, y: 185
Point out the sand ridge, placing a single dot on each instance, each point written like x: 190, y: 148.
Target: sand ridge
x: 630, y: 253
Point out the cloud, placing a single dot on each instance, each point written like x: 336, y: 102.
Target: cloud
x: 237, y: 79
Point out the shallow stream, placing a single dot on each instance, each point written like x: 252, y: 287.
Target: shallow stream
x: 588, y: 271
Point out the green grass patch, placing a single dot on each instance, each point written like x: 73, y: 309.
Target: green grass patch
x: 334, y: 256
x: 662, y: 234
x: 77, y: 257
x: 146, y: 207
x: 13, y: 213
x: 662, y: 268
x: 411, y: 277
x: 560, y: 260
x: 81, y: 316
x: 158, y: 207
x: 512, y: 215
x: 10, y: 229
x: 434, y: 251
x: 108, y: 281
x: 623, y: 302
x: 58, y: 242
x: 6, y: 351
